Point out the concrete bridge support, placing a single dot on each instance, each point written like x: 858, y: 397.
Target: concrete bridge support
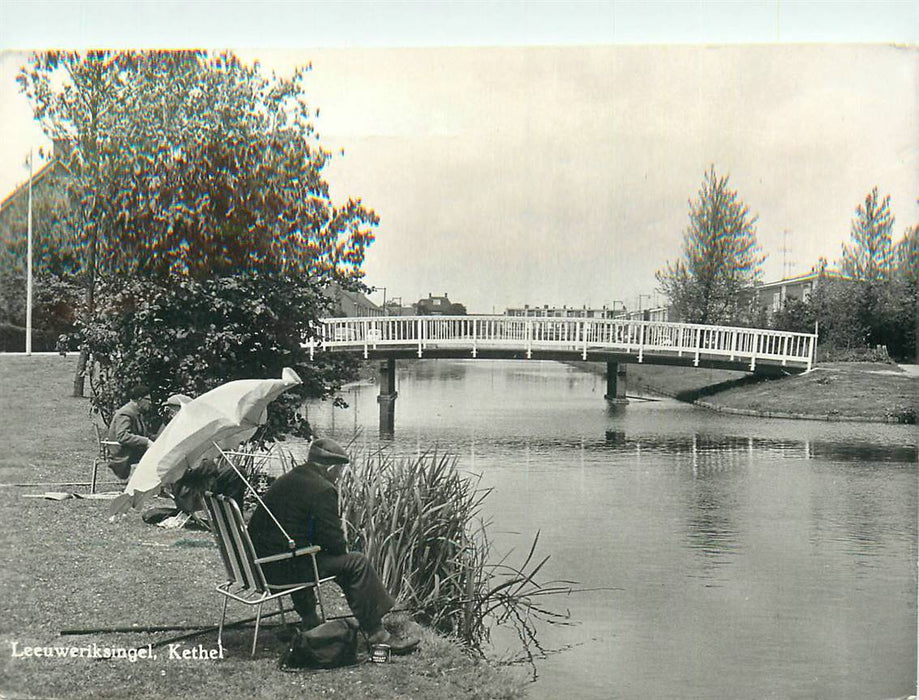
x: 387, y: 397
x: 615, y: 383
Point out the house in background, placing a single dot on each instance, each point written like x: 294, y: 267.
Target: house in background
x: 50, y: 222
x: 772, y: 296
x: 351, y: 304
x: 396, y: 308
x: 439, y: 306
x: 14, y: 207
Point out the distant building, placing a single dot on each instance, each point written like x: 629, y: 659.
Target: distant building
x: 351, y: 304
x: 396, y: 308
x: 50, y: 207
x: 658, y: 313
x: 772, y: 296
x: 439, y: 306
x: 563, y: 312
x: 54, y: 171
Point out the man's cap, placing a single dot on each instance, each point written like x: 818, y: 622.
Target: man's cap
x: 327, y: 452
x: 138, y: 391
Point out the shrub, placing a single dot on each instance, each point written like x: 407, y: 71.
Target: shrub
x: 188, y: 336
x: 830, y: 353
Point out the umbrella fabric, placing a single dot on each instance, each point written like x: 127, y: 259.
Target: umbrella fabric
x: 228, y: 416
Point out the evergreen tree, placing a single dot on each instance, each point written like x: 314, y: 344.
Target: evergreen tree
x: 721, y: 260
x: 870, y: 256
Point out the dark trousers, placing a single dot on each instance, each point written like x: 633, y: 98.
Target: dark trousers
x: 353, y: 573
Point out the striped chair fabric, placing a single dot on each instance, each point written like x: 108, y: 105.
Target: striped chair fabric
x: 246, y: 581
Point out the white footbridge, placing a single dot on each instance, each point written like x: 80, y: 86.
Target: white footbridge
x: 550, y: 338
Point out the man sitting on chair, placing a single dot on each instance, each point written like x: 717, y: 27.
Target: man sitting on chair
x: 305, y: 503
x: 129, y: 430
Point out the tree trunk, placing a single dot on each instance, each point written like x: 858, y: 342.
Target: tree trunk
x: 79, y: 379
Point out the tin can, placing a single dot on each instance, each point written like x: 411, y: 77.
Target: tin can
x: 380, y: 653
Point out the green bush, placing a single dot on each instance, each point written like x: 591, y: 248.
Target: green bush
x: 187, y: 336
x: 829, y: 353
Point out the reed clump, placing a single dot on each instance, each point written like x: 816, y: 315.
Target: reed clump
x: 419, y: 519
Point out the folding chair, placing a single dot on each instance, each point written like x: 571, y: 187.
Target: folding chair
x: 246, y: 581
x: 103, y: 457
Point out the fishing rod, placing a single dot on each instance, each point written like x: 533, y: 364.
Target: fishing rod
x: 67, y: 483
x: 171, y: 628
x: 197, y: 628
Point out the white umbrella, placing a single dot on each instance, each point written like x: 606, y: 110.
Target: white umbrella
x: 228, y: 416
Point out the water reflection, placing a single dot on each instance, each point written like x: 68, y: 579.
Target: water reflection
x: 439, y: 371
x: 862, y: 452
x: 859, y: 452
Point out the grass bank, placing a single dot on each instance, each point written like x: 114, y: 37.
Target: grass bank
x: 857, y: 391
x: 66, y: 567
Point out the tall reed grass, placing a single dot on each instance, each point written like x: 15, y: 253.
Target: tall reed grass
x: 420, y: 521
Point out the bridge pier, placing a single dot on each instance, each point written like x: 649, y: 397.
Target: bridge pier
x: 615, y: 383
x: 387, y: 397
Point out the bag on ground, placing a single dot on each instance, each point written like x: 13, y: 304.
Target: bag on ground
x: 329, y: 645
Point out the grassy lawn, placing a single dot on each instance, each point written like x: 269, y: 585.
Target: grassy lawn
x: 837, y: 389
x: 832, y: 389
x: 66, y: 567
x: 676, y: 381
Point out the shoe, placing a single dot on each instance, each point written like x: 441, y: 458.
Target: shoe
x: 400, y: 646
x: 378, y: 636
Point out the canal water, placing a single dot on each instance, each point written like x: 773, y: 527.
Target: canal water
x: 744, y: 558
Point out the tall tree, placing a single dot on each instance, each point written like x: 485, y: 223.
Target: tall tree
x: 906, y: 255
x: 905, y: 293
x: 191, y: 165
x: 721, y: 259
x: 870, y: 256
x: 869, y: 263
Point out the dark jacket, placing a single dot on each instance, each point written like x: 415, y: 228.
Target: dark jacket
x: 306, y: 505
x: 130, y: 432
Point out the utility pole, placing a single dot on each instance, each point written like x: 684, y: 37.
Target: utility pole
x: 383, y: 289
x: 786, y: 264
x: 29, y: 267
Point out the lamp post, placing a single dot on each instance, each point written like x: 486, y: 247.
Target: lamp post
x: 377, y: 289
x: 29, y: 267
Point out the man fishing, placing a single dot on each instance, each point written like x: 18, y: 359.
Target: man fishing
x: 305, y: 503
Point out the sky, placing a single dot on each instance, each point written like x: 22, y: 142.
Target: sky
x: 557, y: 168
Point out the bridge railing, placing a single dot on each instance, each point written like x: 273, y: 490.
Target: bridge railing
x: 580, y: 335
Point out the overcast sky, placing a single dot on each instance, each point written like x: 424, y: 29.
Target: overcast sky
x: 561, y: 174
